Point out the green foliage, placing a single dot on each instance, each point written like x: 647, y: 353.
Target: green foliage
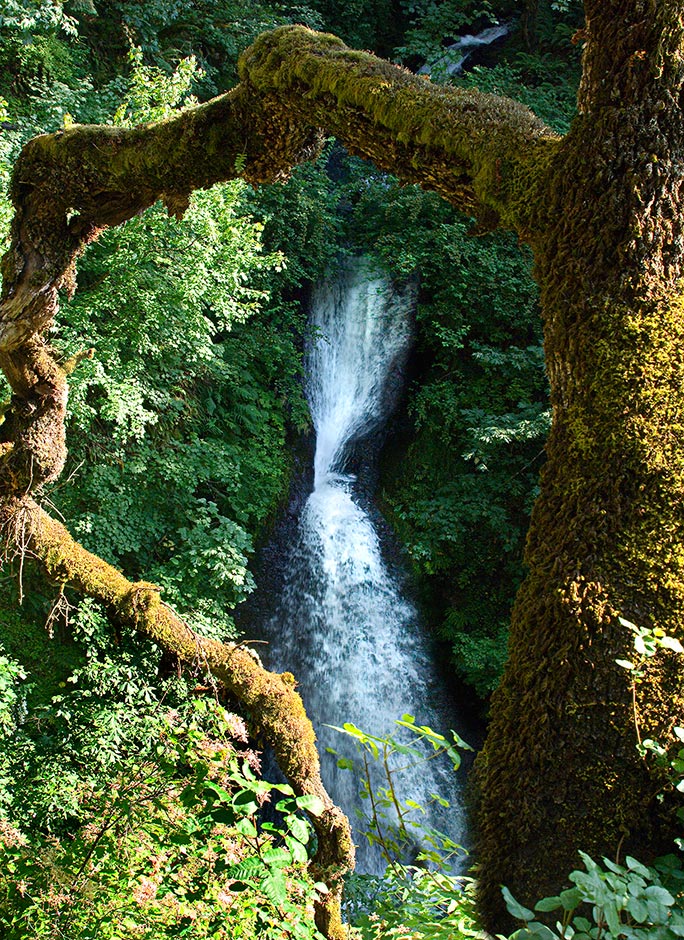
x: 415, y: 903
x: 5, y: 170
x: 555, y: 23
x: 607, y: 902
x: 178, y: 421
x: 363, y: 24
x: 425, y: 899
x: 166, y: 31
x: 152, y: 95
x: 34, y: 42
x: 395, y: 827
x: 129, y: 808
x: 301, y: 219
x: 11, y: 675
x: 611, y: 902
x: 167, y: 845
x: 537, y: 81
x: 437, y: 23
x: 179, y: 442
x: 647, y: 643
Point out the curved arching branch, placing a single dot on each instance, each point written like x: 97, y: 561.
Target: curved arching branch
x: 472, y: 148
x: 271, y: 699
x: 476, y: 150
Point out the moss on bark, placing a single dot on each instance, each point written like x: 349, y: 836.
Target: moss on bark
x: 276, y: 708
x: 606, y: 534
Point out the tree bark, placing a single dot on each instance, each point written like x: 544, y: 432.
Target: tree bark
x: 560, y: 770
x: 528, y: 22
x: 602, y: 211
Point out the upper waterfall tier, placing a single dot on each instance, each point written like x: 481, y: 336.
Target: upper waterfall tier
x: 363, y: 337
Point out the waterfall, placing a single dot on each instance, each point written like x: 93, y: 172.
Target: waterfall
x: 343, y: 627
x: 457, y: 54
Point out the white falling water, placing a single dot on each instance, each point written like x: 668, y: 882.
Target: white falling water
x: 457, y: 54
x: 344, y: 629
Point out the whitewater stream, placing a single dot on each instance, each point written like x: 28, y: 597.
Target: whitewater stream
x: 342, y: 626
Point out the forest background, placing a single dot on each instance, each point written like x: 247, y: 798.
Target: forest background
x: 187, y: 418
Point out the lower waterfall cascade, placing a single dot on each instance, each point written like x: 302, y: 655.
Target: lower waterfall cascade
x: 342, y: 626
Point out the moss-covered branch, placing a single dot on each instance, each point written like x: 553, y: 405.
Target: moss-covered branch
x: 70, y: 185
x: 470, y: 147
x: 475, y: 150
x: 270, y: 698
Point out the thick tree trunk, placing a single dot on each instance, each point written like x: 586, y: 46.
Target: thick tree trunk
x: 560, y: 770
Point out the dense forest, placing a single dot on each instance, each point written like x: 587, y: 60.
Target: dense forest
x: 131, y: 797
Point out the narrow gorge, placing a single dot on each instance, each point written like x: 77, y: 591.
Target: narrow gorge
x: 343, y: 625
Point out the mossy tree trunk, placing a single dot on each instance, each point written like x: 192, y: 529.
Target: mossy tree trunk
x: 602, y: 211
x: 560, y: 770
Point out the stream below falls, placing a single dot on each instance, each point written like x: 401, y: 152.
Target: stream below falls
x: 342, y: 623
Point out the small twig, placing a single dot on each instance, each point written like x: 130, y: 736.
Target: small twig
x: 62, y: 607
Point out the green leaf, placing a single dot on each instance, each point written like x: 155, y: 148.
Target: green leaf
x: 571, y: 898
x: 353, y: 730
x: 548, y: 904
x: 246, y: 827
x: 218, y: 790
x: 239, y: 886
x: 180, y: 838
x: 638, y: 910
x: 246, y: 802
x: 627, y: 623
x: 541, y: 931
x: 297, y: 850
x: 515, y: 909
x: 298, y: 828
x: 247, y: 867
x: 224, y: 814
x: 659, y: 894
x: 277, y: 857
x: 274, y: 887
x: 635, y: 866
x: 312, y: 804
